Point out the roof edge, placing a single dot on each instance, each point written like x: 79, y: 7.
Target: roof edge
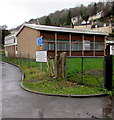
x: 59, y: 29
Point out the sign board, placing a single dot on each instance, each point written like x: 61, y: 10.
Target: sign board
x: 39, y: 41
x: 41, y: 56
x: 111, y: 49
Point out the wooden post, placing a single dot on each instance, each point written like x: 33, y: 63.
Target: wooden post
x: 41, y: 63
x: 56, y: 70
x: 41, y: 66
x: 51, y: 68
x: 63, y: 65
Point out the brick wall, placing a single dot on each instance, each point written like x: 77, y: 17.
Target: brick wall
x: 26, y: 42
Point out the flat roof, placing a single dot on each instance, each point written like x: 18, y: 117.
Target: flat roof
x: 11, y: 35
x: 60, y: 29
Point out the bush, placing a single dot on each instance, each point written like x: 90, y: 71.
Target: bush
x: 111, y: 34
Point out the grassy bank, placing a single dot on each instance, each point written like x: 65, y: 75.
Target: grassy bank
x: 38, y: 80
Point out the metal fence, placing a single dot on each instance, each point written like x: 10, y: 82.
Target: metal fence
x: 86, y: 70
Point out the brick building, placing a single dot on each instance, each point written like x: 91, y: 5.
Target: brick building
x: 58, y: 39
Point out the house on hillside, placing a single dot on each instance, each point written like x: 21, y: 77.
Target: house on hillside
x: 103, y: 27
x: 96, y: 16
x: 57, y: 40
x: 99, y: 27
x: 75, y: 20
x: 83, y: 25
x: 10, y: 44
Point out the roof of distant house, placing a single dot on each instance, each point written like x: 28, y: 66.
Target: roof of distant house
x: 82, y: 23
x: 102, y: 25
x: 12, y: 35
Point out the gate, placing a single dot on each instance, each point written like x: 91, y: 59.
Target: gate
x: 86, y: 71
x: 91, y: 71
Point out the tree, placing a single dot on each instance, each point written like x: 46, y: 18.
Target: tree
x: 60, y: 22
x: 68, y: 22
x: 95, y: 8
x: 85, y: 17
x: 82, y: 10
x: 112, y: 9
x: 47, y: 21
x: 4, y: 33
x: 107, y: 9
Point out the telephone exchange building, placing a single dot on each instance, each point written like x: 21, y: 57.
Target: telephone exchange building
x: 59, y: 39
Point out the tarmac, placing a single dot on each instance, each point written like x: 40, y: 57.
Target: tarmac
x: 0, y: 90
x: 18, y: 103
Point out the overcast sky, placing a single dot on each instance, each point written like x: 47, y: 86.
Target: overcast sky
x: 16, y: 12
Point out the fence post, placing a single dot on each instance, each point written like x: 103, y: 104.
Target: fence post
x: 50, y: 66
x: 82, y: 70
x: 108, y: 72
x: 63, y: 65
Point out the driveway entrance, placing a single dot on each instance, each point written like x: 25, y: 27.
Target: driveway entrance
x: 17, y: 103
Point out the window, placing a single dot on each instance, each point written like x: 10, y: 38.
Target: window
x: 91, y: 45
x: 76, y: 45
x: 45, y: 46
x: 99, y: 45
x: 63, y: 45
x: 48, y: 44
x: 86, y: 45
x: 51, y: 46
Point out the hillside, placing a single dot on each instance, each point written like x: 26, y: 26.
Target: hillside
x: 61, y: 18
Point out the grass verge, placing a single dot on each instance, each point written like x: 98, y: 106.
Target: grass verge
x: 39, y: 81
x: 62, y: 87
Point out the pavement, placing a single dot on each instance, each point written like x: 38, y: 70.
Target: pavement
x: 18, y: 103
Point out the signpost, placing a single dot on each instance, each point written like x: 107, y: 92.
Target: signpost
x: 41, y: 56
x: 111, y: 49
x: 39, y: 42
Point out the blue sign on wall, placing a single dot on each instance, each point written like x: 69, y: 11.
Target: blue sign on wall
x: 39, y: 41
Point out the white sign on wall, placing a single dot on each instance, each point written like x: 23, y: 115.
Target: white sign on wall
x: 41, y: 56
x: 112, y: 50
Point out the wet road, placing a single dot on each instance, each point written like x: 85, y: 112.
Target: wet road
x: 0, y: 90
x: 17, y: 103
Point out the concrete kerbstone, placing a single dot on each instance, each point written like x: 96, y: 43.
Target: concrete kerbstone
x: 50, y: 94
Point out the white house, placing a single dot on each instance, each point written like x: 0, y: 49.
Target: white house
x: 10, y: 44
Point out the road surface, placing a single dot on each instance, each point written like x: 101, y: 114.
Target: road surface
x: 18, y: 103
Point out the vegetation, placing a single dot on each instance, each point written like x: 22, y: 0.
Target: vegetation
x: 68, y: 22
x: 62, y: 87
x: 48, y: 21
x: 38, y: 80
x: 62, y: 18
x: 3, y: 33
